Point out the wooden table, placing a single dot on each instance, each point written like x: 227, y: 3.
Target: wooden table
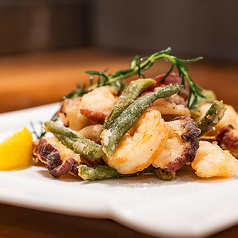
x: 42, y: 78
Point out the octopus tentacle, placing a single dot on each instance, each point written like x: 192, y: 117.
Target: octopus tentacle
x: 95, y: 116
x: 181, y: 146
x: 228, y: 139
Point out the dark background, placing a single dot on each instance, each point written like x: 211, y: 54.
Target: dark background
x: 191, y: 28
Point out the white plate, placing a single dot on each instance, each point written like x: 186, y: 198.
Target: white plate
x: 185, y: 207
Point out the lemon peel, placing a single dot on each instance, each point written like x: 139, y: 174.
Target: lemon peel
x: 16, y: 150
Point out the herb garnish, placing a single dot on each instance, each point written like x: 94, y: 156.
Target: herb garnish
x: 42, y: 131
x: 117, y: 79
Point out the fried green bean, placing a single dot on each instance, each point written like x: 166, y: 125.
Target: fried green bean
x: 99, y: 172
x: 214, y: 114
x: 112, y: 136
x: 76, y: 142
x: 128, y: 96
x: 163, y: 174
x: 89, y: 149
x: 55, y: 127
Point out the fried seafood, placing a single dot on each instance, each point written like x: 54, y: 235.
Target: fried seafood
x: 89, y: 109
x: 70, y: 115
x: 114, y: 130
x: 171, y: 107
x: 181, y: 145
x: 60, y: 160
x: 212, y: 161
x: 228, y: 139
x: 112, y: 136
x: 95, y: 116
x: 100, y: 100
x: 141, y: 145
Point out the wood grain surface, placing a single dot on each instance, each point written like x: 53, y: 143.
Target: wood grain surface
x: 42, y: 78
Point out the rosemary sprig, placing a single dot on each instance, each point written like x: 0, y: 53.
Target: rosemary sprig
x: 76, y: 93
x: 117, y: 79
x: 137, y: 66
x: 42, y: 131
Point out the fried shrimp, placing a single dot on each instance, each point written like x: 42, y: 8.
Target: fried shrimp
x: 212, y: 161
x: 100, y: 100
x: 181, y: 145
x: 141, y: 145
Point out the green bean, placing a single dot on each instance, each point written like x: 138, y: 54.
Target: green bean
x: 55, y: 127
x: 214, y: 114
x: 76, y: 142
x: 89, y: 150
x: 163, y: 174
x: 128, y: 96
x: 65, y: 141
x: 112, y: 136
x: 99, y: 172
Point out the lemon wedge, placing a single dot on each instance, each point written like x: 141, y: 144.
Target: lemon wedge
x: 16, y: 150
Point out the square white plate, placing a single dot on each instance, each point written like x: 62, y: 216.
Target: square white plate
x: 186, y: 207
